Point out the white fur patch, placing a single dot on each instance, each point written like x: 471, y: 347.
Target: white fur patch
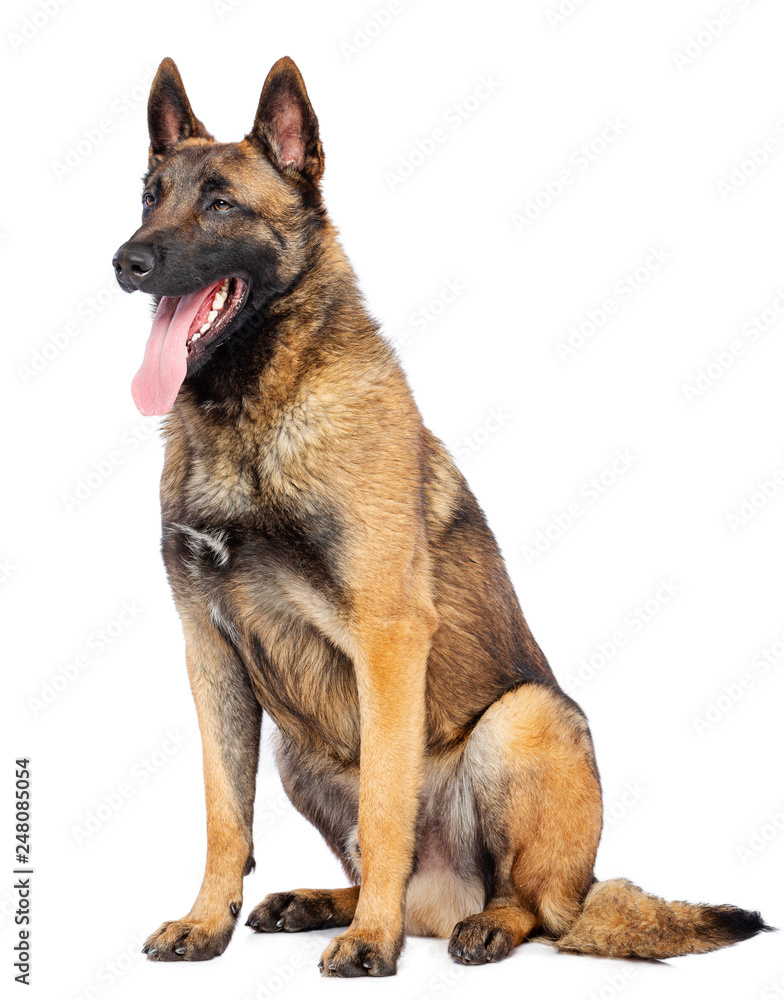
x: 212, y: 541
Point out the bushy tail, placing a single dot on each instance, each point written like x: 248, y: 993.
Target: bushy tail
x: 619, y: 920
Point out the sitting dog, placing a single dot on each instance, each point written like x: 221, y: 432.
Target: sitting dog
x: 332, y: 568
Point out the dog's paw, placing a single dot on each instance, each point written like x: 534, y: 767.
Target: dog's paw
x: 360, y: 953
x: 477, y: 940
x: 190, y: 940
x: 299, y: 910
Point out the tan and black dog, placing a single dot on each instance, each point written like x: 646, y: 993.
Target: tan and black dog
x: 332, y: 568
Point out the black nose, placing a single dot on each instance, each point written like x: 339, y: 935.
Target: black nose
x: 133, y: 262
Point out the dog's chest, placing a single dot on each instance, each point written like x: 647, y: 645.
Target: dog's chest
x: 271, y: 592
x: 251, y: 544
x: 234, y: 492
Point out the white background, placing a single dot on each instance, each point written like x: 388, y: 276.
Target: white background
x: 688, y: 803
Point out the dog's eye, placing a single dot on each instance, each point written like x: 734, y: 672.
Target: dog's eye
x: 148, y: 200
x: 220, y: 205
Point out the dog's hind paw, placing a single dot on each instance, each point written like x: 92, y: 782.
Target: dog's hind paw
x: 478, y: 940
x: 303, y: 910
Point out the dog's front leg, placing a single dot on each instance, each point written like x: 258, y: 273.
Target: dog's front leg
x: 390, y: 660
x: 230, y: 724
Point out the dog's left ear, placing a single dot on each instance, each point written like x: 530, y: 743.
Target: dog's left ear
x: 286, y: 126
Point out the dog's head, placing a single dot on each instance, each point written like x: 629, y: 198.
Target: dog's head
x: 225, y: 226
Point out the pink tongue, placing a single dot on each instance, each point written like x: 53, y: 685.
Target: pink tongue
x: 157, y: 382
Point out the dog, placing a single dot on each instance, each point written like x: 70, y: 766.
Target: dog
x: 333, y: 570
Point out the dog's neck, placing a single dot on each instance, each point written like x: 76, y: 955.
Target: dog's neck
x: 262, y: 364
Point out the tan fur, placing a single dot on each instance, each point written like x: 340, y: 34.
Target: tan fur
x: 491, y: 935
x: 530, y: 743
x: 621, y: 921
x: 437, y: 898
x: 207, y: 927
x: 333, y: 570
x: 304, y: 909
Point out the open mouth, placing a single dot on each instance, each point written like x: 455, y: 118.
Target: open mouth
x: 220, y: 305
x: 184, y: 329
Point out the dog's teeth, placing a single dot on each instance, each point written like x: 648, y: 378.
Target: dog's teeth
x: 225, y: 286
x: 205, y: 328
x: 212, y: 315
x: 196, y: 336
x: 220, y: 298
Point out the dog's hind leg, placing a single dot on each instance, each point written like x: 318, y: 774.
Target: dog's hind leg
x: 538, y: 801
x: 230, y: 724
x: 326, y: 792
x: 490, y: 935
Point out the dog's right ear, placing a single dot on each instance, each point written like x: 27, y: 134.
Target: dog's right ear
x: 170, y: 118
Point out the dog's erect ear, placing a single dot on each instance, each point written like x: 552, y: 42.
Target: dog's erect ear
x: 286, y: 126
x: 170, y: 117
